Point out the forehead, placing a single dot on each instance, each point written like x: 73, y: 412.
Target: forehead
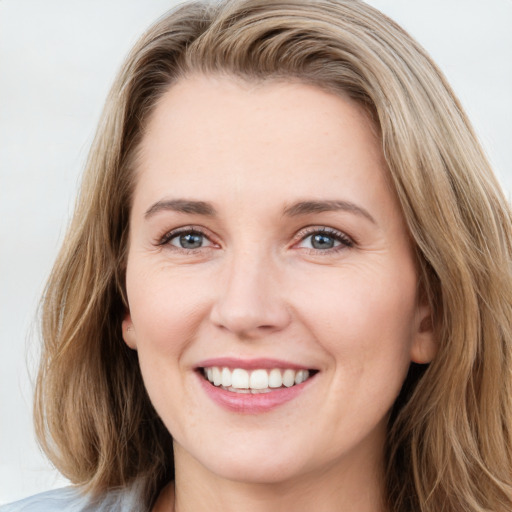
x: 229, y: 138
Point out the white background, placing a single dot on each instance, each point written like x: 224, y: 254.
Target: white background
x: 57, y: 61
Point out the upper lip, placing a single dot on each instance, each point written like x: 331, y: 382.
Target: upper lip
x: 251, y: 364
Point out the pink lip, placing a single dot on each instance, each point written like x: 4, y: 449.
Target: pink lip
x: 250, y: 364
x: 248, y: 403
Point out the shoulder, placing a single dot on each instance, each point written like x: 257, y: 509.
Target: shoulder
x: 66, y: 499
x: 70, y: 499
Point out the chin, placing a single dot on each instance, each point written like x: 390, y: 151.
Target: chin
x: 252, y: 462
x: 255, y: 472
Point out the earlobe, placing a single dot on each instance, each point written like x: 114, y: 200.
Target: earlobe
x: 424, y: 346
x: 129, y: 332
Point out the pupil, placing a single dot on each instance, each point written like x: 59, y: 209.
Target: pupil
x: 191, y: 240
x: 322, y: 242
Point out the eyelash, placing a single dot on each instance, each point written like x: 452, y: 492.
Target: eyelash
x: 187, y: 230
x: 345, y: 242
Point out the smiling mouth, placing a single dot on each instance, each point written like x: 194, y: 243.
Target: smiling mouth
x: 240, y: 380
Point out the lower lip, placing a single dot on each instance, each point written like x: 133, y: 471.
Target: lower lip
x: 249, y: 403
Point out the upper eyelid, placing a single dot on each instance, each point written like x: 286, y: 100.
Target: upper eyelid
x: 299, y: 236
x: 310, y: 230
x: 169, y: 235
x: 319, y: 228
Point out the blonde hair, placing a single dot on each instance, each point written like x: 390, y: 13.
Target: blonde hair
x: 450, y: 440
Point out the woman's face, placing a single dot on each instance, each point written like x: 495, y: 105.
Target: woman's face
x: 266, y: 244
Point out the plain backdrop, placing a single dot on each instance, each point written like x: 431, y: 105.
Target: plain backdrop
x: 57, y: 61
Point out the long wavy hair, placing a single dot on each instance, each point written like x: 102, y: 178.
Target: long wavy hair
x: 449, y: 445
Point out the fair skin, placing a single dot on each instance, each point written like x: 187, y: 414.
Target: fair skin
x: 264, y: 232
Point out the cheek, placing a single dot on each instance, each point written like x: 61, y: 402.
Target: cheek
x: 365, y: 322
x: 166, y: 309
x: 372, y: 307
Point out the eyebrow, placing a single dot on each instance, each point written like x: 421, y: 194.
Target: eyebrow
x: 181, y: 206
x: 296, y: 209
x: 308, y: 207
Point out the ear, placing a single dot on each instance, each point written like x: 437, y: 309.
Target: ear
x: 129, y: 332
x: 424, y: 345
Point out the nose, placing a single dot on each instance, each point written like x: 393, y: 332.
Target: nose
x: 250, y: 302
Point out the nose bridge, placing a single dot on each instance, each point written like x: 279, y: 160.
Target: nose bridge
x: 250, y: 301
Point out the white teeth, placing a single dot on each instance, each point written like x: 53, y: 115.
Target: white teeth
x: 240, y: 379
x: 226, y: 377
x: 275, y: 380
x: 259, y: 379
x: 255, y: 381
x: 288, y: 378
x: 242, y: 391
x: 301, y: 376
x: 217, y: 376
x: 258, y: 391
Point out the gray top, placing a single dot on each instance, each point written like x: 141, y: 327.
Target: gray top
x: 70, y: 499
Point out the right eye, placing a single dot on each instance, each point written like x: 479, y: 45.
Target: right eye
x: 186, y: 240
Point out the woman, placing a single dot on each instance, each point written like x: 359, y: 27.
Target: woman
x: 287, y: 280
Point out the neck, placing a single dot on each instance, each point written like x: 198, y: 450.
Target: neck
x: 353, y: 487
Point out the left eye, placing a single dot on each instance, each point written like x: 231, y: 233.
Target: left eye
x: 323, y: 241
x: 189, y: 240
